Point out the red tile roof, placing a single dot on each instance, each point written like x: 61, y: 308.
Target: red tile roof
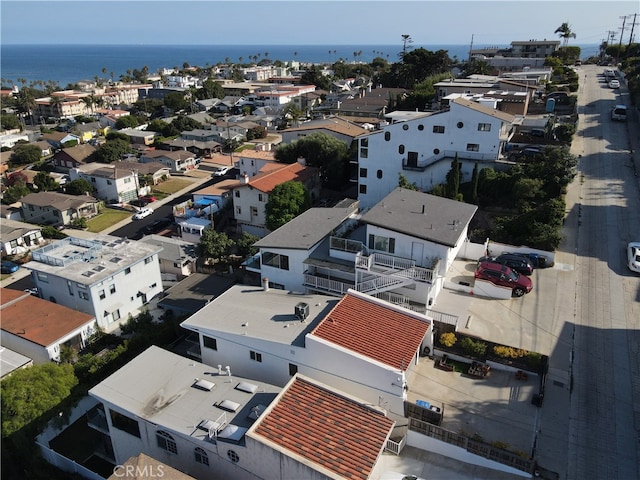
x: 38, y: 320
x: 267, y: 181
x: 378, y: 331
x: 332, y: 431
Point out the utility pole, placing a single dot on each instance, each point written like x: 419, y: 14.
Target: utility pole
x: 624, y: 19
x: 632, y: 27
x: 471, y: 46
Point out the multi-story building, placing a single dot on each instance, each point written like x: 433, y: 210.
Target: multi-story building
x: 252, y: 194
x: 209, y: 423
x: 399, y: 250
x: 421, y: 146
x: 271, y: 335
x: 111, y: 183
x: 108, y: 277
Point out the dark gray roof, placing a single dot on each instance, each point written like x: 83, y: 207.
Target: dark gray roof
x: 12, y: 229
x: 59, y: 201
x: 306, y: 230
x: 436, y: 219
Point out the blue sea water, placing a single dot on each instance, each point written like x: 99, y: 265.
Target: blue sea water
x: 66, y: 64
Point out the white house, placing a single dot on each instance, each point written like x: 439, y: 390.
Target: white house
x: 399, y: 250
x: 111, y: 182
x: 39, y: 329
x: 177, y: 257
x: 252, y: 194
x: 191, y: 229
x: 108, y: 277
x: 209, y: 423
x: 19, y: 237
x: 271, y: 335
x: 421, y: 146
x: 176, y: 161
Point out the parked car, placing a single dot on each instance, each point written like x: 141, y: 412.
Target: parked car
x: 526, y: 153
x: 139, y: 202
x: 142, y: 213
x: 633, y: 256
x: 519, y: 263
x: 221, y: 172
x: 157, y: 226
x: 536, y: 259
x: 504, y: 276
x: 619, y: 112
x: 149, y: 198
x: 9, y: 267
x: 614, y: 84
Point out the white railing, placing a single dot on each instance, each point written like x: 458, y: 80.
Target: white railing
x: 346, y: 245
x: 380, y: 283
x: 326, y: 284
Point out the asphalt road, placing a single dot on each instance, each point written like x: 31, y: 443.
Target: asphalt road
x: 604, y: 414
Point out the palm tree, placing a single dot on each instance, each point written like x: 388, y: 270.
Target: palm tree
x: 565, y: 33
x: 55, y: 103
x: 89, y: 102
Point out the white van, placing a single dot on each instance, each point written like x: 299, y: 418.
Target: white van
x: 619, y: 112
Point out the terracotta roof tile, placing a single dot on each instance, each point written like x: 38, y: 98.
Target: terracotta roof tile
x: 38, y: 320
x: 326, y: 428
x: 366, y: 326
x: 266, y: 182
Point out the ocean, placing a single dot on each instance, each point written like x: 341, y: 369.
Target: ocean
x: 67, y: 64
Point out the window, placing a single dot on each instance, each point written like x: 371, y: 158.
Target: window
x: 484, y: 127
x: 233, y: 456
x: 293, y: 369
x: 364, y: 153
x: 166, y: 442
x: 112, y: 288
x: 405, y: 127
x: 254, y: 211
x: 364, y: 148
x: 275, y: 260
x: 43, y: 277
x: 201, y: 456
x: 364, y: 142
x: 236, y: 193
x: 363, y: 189
x: 363, y: 173
x: 210, y: 342
x: 116, y: 315
x: 124, y: 423
x: 70, y: 287
x: 148, y: 260
x: 420, y: 127
x: 400, y: 149
x: 102, y: 295
x: 473, y: 147
x: 382, y: 244
x: 438, y: 129
x: 260, y: 197
x: 93, y: 179
x: 387, y: 136
x: 255, y: 356
x: 83, y: 295
x: 238, y: 210
x: 127, y: 270
x: 379, y: 174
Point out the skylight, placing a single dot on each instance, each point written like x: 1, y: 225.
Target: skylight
x: 247, y: 387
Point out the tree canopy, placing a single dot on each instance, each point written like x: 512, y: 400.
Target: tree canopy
x: 319, y: 150
x: 25, y: 154
x: 286, y: 201
x: 79, y: 186
x: 113, y: 150
x: 214, y: 244
x: 30, y: 392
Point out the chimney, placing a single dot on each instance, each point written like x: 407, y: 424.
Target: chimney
x: 245, y: 179
x: 265, y: 284
x: 302, y: 161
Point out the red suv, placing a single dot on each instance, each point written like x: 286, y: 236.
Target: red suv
x: 504, y: 276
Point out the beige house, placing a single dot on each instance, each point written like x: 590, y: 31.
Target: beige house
x: 53, y: 208
x: 19, y: 237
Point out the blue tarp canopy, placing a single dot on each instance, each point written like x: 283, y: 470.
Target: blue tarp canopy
x: 204, y: 202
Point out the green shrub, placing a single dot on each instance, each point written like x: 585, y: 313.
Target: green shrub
x: 448, y: 339
x: 500, y: 445
x: 472, y: 347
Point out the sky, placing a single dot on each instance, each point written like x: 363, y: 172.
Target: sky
x: 308, y: 22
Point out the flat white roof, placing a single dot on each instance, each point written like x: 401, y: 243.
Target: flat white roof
x: 89, y: 261
x: 160, y: 387
x: 268, y: 315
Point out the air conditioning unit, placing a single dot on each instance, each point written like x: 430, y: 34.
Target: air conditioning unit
x: 302, y: 311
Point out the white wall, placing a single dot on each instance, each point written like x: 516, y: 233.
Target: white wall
x: 246, y: 197
x: 293, y: 278
x: 37, y: 353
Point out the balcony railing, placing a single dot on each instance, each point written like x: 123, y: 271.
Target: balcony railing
x: 326, y: 284
x: 346, y: 245
x: 392, y: 265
